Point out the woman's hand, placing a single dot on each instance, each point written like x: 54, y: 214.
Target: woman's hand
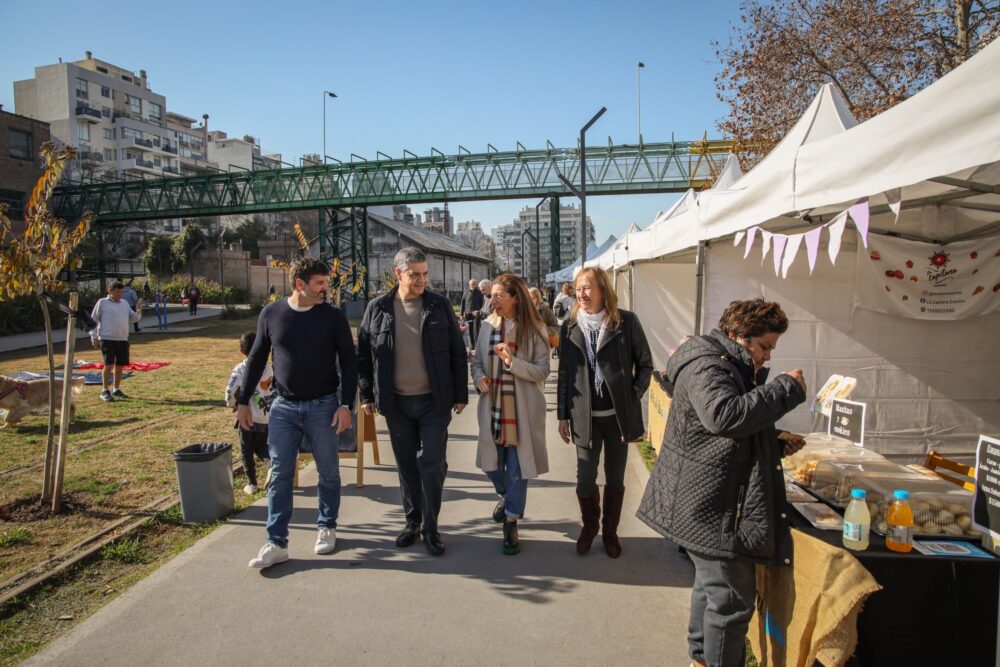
x: 483, y: 385
x: 793, y: 442
x: 504, y: 352
x: 564, y: 430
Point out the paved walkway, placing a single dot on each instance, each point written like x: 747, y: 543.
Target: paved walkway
x: 371, y: 603
x: 148, y: 325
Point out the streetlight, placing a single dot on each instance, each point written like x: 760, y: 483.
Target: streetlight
x: 538, y: 252
x: 326, y: 93
x: 638, y: 101
x: 582, y: 192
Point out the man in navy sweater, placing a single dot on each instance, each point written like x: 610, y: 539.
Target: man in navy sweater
x: 308, y: 338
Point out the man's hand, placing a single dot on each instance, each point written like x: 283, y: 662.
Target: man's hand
x: 793, y: 442
x: 341, y: 419
x: 458, y: 407
x: 369, y: 408
x: 483, y: 385
x: 244, y: 417
x: 797, y: 375
x: 564, y: 431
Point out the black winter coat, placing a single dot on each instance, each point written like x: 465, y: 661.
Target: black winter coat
x: 627, y: 365
x: 718, y: 488
x: 445, y: 355
x: 472, y: 301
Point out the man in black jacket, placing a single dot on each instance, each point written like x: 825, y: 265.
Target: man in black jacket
x: 472, y: 304
x: 413, y: 369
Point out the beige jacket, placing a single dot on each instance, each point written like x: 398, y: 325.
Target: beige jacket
x: 530, y: 368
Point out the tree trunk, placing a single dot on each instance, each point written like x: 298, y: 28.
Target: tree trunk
x: 50, y: 438
x: 962, y: 9
x: 65, y: 413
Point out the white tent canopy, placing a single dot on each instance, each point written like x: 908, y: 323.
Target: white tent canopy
x: 565, y: 274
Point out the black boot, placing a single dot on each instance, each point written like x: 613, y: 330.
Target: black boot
x: 511, y: 545
x: 609, y: 525
x: 590, y: 510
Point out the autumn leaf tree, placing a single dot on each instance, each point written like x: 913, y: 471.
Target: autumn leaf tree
x: 31, y: 260
x: 877, y: 52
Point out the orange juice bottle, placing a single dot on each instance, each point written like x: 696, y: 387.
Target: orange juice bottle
x: 899, y: 518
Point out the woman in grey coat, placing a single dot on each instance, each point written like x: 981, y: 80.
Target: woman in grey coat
x: 717, y: 488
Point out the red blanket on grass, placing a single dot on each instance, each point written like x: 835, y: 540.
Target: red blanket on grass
x: 134, y: 366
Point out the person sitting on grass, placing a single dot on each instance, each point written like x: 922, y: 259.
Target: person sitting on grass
x: 254, y: 440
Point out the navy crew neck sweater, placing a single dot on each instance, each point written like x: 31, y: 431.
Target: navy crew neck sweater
x: 307, y: 346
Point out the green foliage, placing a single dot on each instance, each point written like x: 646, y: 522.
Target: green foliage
x: 159, y: 258
x: 211, y: 291
x: 22, y: 314
x: 124, y: 551
x: 249, y: 232
x: 193, y: 236
x: 14, y: 536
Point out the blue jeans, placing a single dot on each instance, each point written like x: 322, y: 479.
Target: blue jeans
x: 722, y: 602
x: 508, y: 483
x: 305, y: 423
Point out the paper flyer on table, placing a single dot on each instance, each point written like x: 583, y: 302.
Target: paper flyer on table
x: 949, y: 548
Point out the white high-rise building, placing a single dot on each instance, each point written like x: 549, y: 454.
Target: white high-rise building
x: 528, y: 266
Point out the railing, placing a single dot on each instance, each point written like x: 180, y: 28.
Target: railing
x: 139, y: 162
x: 87, y: 111
x: 169, y: 149
x: 171, y: 170
x: 90, y: 156
x: 143, y: 142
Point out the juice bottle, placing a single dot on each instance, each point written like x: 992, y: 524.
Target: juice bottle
x: 857, y: 522
x: 899, y: 520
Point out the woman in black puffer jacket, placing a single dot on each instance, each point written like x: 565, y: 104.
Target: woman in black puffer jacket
x: 717, y: 489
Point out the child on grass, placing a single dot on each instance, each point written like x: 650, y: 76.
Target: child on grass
x: 253, y: 441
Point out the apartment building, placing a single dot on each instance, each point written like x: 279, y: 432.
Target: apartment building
x: 20, y: 164
x: 508, y: 240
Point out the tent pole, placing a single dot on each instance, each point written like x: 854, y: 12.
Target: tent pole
x: 631, y: 289
x: 699, y: 282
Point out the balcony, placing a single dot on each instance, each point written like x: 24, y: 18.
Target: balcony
x: 141, y: 164
x: 148, y: 143
x: 90, y: 156
x: 167, y: 148
x: 83, y: 112
x: 171, y: 170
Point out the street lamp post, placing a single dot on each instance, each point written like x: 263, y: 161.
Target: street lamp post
x: 326, y: 93
x: 638, y: 101
x: 582, y: 192
x: 538, y: 252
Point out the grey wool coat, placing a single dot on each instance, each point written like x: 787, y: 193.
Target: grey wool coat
x: 530, y: 368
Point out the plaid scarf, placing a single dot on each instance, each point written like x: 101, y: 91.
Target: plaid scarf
x: 503, y: 407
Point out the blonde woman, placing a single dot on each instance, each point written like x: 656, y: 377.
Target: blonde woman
x: 604, y: 370
x: 509, y: 368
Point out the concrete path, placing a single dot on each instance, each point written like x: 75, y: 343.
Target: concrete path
x: 147, y: 324
x: 373, y: 604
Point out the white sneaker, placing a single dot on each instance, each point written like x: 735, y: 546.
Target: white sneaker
x: 326, y: 540
x: 269, y: 554
x: 250, y: 489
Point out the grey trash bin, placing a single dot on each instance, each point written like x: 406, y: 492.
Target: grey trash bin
x: 205, y: 478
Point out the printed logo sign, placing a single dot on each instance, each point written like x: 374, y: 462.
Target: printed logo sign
x: 847, y: 420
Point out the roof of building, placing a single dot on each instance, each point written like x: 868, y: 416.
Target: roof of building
x: 429, y: 240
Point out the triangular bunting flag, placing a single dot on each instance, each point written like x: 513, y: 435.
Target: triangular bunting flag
x: 791, y: 250
x: 779, y: 247
x: 739, y: 238
x: 812, y: 247
x: 765, y: 245
x: 895, y: 199
x: 859, y: 213
x: 836, y: 232
x: 751, y: 234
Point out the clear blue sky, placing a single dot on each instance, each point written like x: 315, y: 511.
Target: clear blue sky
x: 408, y: 74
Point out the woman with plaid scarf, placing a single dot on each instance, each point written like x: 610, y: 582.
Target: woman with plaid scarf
x: 509, y: 368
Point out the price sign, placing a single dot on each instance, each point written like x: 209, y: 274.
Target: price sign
x: 847, y: 420
x: 986, y: 504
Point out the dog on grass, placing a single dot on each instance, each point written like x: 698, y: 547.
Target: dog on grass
x: 19, y: 399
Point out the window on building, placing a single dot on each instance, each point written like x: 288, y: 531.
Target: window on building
x: 81, y: 87
x: 105, y: 91
x: 135, y: 103
x: 106, y: 112
x: 15, y: 200
x: 129, y: 133
x: 125, y: 77
x: 157, y: 161
x: 19, y: 144
x: 108, y: 155
x: 108, y: 133
x: 83, y: 132
x: 155, y: 111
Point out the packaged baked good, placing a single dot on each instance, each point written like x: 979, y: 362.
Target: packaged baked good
x: 801, y: 466
x: 940, y: 508
x: 833, y: 480
x: 820, y: 516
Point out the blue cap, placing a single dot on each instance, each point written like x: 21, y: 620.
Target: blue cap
x: 901, y: 494
x: 858, y: 493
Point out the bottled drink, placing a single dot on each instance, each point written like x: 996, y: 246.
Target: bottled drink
x: 899, y: 521
x: 857, y: 522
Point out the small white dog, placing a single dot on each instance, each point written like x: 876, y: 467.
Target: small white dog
x: 23, y: 398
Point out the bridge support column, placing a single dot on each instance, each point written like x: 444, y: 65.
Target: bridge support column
x: 343, y: 234
x: 555, y: 256
x: 100, y: 263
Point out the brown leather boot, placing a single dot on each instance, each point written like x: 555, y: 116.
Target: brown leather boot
x: 590, y: 510
x: 609, y: 524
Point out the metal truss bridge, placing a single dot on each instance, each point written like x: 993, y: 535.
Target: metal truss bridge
x: 343, y: 191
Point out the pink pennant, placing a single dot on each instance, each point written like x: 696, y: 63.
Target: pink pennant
x: 751, y: 234
x: 836, y: 233
x: 895, y: 199
x: 859, y: 213
x: 779, y: 247
x: 765, y: 245
x: 812, y: 247
x: 791, y: 250
x: 738, y: 238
